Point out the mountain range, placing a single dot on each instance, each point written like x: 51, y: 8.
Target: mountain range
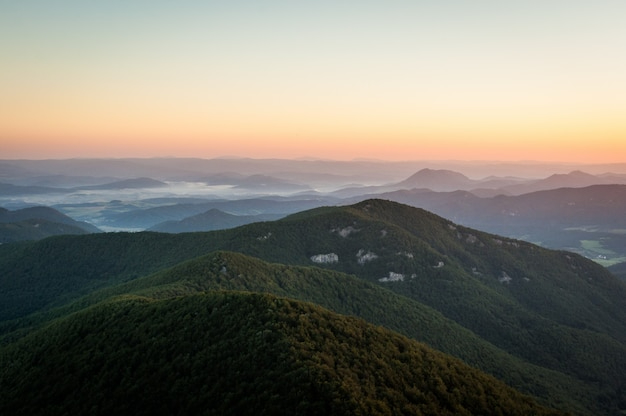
x: 134, y: 183
x: 575, y: 208
x: 589, y: 220
x: 548, y: 323
x: 442, y: 180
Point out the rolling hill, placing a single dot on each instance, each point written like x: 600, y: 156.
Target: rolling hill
x: 237, y: 353
x: 255, y: 183
x: 574, y: 179
x: 178, y: 211
x: 437, y: 179
x: 15, y: 190
x: 35, y: 223
x: 213, y: 219
x: 347, y: 295
x: 134, y: 183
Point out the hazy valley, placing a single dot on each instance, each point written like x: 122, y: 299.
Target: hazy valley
x: 575, y: 208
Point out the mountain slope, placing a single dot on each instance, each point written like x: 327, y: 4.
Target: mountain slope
x: 437, y: 180
x: 619, y: 270
x: 574, y: 179
x: 234, y: 353
x: 35, y: 223
x: 404, y: 240
x: 135, y: 183
x: 564, y: 218
x: 35, y: 229
x: 349, y: 295
x: 13, y: 190
x: 537, y: 278
x: 553, y: 309
x: 598, y: 205
x: 213, y: 219
x: 149, y: 217
x: 257, y: 183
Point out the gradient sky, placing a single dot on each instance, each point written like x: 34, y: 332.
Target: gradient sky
x: 398, y: 80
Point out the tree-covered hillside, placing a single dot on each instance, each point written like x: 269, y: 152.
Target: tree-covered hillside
x: 35, y: 229
x: 237, y: 353
x: 619, y: 270
x: 550, y: 310
x: 35, y: 223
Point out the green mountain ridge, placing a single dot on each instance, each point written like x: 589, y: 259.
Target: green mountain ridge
x: 35, y: 229
x: 35, y: 223
x: 213, y: 219
x: 349, y: 295
x: 238, y: 353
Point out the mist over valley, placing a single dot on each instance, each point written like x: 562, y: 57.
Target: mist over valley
x: 572, y: 207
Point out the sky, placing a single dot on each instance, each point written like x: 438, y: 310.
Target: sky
x: 394, y: 80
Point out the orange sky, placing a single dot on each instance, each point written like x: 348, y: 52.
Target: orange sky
x: 402, y: 81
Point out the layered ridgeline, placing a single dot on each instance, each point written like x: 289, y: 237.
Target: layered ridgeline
x: 213, y: 219
x: 235, y: 354
x: 35, y: 223
x: 347, y: 295
x: 550, y: 323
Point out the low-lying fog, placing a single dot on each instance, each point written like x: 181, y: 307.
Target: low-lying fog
x: 190, y: 190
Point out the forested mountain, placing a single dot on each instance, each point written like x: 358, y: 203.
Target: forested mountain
x: 179, y: 211
x: 347, y: 295
x: 597, y: 205
x: 556, y: 321
x: 35, y: 229
x: 589, y: 220
x: 233, y: 354
x: 213, y: 219
x: 619, y: 270
x: 35, y: 223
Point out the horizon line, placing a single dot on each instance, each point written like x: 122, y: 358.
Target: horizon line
x: 315, y: 159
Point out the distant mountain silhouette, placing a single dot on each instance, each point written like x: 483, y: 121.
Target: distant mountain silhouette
x: 431, y: 179
x: 136, y: 183
x: 597, y: 204
x: 437, y: 180
x: 150, y: 217
x: 255, y: 183
x: 213, y: 219
x: 574, y: 179
x: 66, y: 181
x: 443, y: 180
x: 10, y: 189
x: 35, y: 223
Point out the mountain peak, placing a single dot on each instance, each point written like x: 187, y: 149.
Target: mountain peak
x: 578, y: 174
x: 437, y: 180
